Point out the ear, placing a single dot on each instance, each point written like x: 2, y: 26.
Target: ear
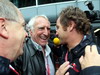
x: 71, y: 25
x: 31, y: 32
x: 3, y: 30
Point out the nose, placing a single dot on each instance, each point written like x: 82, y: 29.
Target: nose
x: 56, y: 33
x: 46, y: 31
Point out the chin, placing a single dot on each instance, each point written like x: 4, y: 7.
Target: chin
x: 62, y: 43
x: 43, y: 44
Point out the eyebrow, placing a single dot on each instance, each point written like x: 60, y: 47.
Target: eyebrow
x: 42, y: 27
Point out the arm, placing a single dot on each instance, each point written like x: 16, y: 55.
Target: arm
x: 90, y: 63
x: 93, y: 70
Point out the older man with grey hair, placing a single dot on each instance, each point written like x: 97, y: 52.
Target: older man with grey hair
x: 37, y: 58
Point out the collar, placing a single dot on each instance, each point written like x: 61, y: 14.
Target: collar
x: 47, y: 50
x: 36, y: 47
x: 79, y: 49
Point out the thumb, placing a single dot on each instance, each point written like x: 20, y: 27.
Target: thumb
x: 81, y: 59
x: 67, y: 73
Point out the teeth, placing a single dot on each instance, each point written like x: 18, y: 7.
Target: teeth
x: 44, y: 37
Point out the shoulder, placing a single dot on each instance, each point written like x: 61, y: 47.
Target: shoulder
x: 94, y: 70
x: 4, y: 66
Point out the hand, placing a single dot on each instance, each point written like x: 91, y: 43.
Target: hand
x: 91, y: 58
x: 63, y: 68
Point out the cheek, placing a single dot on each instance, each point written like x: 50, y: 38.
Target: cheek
x: 59, y: 32
x: 17, y: 39
x: 35, y: 36
x: 20, y: 38
x: 36, y: 33
x: 49, y: 34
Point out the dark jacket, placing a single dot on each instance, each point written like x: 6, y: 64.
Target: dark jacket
x: 75, y: 53
x: 94, y: 70
x: 32, y: 62
x: 4, y: 67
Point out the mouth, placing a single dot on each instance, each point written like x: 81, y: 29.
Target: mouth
x: 44, y: 38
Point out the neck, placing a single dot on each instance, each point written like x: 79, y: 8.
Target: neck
x: 74, y: 41
x: 43, y: 49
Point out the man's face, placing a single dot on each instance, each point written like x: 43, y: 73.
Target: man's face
x: 41, y: 31
x: 17, y: 36
x: 60, y: 32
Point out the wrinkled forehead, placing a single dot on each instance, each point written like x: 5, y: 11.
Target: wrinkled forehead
x: 42, y: 22
x: 42, y: 19
x: 42, y: 26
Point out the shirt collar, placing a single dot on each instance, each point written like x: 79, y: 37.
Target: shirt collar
x: 85, y: 41
x: 39, y: 48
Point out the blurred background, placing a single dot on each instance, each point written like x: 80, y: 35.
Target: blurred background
x: 52, y: 8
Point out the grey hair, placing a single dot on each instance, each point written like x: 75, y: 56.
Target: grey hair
x: 31, y: 23
x: 8, y: 10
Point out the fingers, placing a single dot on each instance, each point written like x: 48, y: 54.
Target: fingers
x: 91, y: 57
x: 94, y: 49
x: 87, y: 50
x: 81, y: 59
x: 67, y: 73
x: 65, y: 64
x: 65, y: 67
x: 91, y: 49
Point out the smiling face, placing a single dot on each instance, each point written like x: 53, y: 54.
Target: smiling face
x: 41, y: 31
